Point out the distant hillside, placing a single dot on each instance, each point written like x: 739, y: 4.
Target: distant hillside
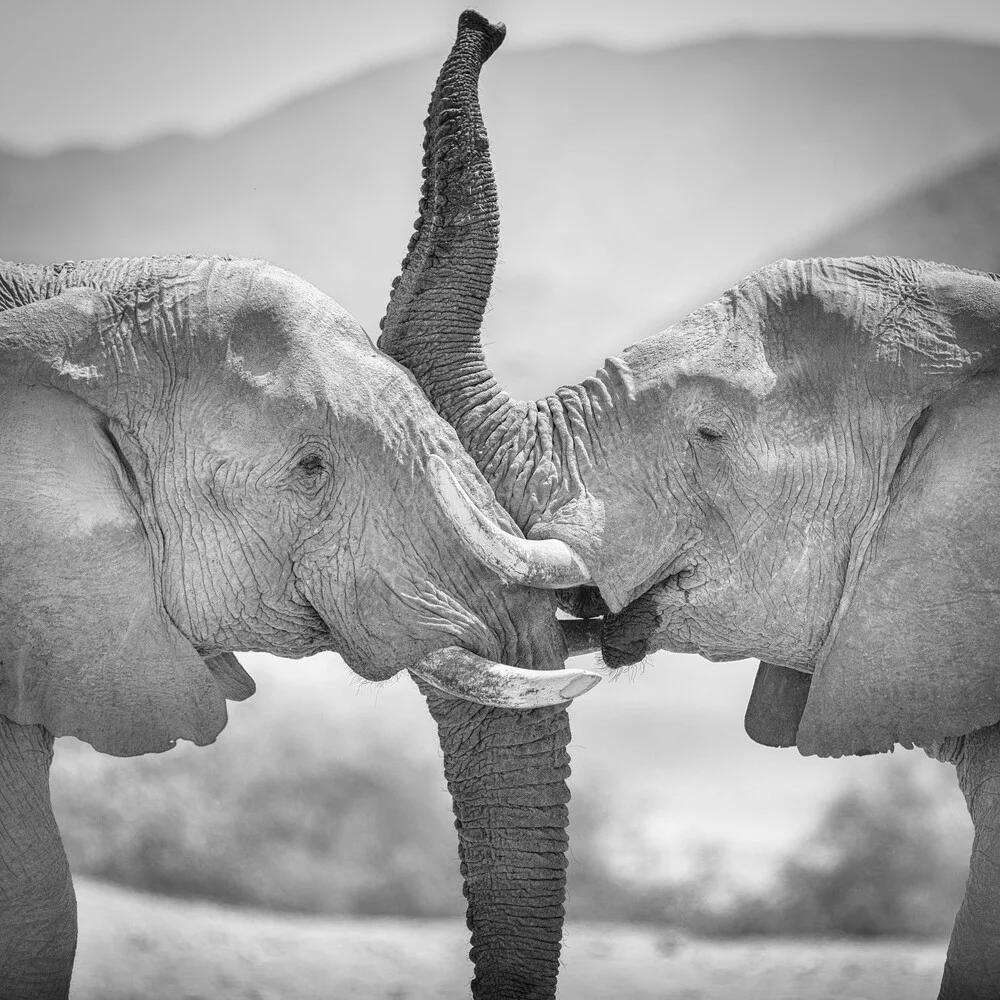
x: 955, y: 220
x: 631, y: 184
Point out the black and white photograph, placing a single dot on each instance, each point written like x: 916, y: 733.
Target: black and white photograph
x: 500, y: 502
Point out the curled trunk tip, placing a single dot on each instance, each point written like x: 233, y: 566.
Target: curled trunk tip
x: 492, y: 34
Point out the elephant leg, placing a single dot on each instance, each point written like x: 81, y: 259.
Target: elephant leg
x: 37, y: 903
x: 972, y: 969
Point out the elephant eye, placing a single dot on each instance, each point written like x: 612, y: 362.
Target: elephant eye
x: 312, y: 464
x: 709, y: 433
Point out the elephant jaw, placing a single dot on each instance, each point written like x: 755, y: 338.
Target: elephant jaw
x: 462, y: 674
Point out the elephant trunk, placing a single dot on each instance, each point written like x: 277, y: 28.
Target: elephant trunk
x: 437, y: 303
x: 507, y: 771
x: 435, y: 312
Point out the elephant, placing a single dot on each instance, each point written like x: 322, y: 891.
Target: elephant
x: 206, y: 455
x: 805, y: 471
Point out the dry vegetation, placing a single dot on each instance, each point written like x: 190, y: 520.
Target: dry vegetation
x: 134, y: 946
x: 318, y: 800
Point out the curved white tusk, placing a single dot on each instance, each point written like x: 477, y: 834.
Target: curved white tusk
x: 547, y: 562
x: 464, y: 675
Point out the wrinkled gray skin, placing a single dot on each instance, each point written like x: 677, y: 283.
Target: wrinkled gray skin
x: 804, y: 471
x: 207, y: 455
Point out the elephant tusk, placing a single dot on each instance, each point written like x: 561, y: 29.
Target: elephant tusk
x: 582, y: 635
x: 546, y: 563
x: 462, y: 674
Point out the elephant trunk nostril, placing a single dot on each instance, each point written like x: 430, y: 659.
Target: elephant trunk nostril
x: 625, y: 636
x: 622, y: 654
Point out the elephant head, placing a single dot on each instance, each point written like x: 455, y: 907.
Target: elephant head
x: 806, y: 471
x: 796, y: 472
x: 207, y: 455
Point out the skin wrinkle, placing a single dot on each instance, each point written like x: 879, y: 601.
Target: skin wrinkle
x: 971, y: 969
x: 422, y: 595
x: 533, y: 479
x: 854, y: 404
x: 160, y: 513
x: 512, y: 944
x: 233, y: 600
x: 152, y: 532
x: 165, y: 497
x: 194, y: 581
x: 199, y: 498
x: 850, y: 351
x: 457, y: 224
x: 551, y: 455
x: 465, y: 626
x: 815, y: 491
x: 36, y: 889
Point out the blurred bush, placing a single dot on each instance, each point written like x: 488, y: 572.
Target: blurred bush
x: 885, y: 859
x: 889, y: 859
x: 298, y: 810
x: 283, y: 814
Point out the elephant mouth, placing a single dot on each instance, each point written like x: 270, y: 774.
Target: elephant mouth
x: 625, y: 636
x: 622, y: 638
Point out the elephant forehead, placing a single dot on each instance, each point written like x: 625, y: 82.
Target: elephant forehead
x: 278, y: 321
x: 295, y: 345
x: 295, y: 354
x: 710, y: 342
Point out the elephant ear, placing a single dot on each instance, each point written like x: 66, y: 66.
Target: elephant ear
x: 86, y: 647
x: 912, y: 654
x: 776, y: 704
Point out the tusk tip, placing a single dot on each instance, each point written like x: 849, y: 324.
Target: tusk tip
x: 581, y: 684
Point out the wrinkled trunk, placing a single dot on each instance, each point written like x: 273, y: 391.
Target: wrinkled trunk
x: 37, y: 904
x: 437, y: 303
x: 506, y: 771
x: 432, y: 323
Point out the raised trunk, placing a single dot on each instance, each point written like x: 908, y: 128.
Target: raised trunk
x: 528, y: 451
x: 507, y: 771
x: 37, y: 904
x: 437, y: 303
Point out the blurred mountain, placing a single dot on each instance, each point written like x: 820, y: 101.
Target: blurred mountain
x: 955, y: 219
x: 631, y: 184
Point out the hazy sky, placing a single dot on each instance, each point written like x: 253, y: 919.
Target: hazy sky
x: 112, y: 71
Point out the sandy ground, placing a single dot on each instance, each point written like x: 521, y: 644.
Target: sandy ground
x: 134, y: 946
